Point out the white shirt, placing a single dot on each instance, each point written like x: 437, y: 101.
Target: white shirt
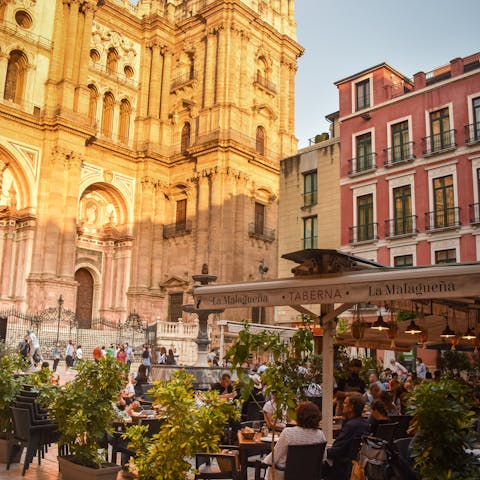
x: 79, y: 353
x: 292, y: 436
x: 34, y: 340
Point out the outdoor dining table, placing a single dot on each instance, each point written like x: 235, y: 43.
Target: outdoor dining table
x: 247, y: 448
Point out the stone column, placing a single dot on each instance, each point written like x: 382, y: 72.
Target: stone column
x: 8, y: 257
x: 166, y: 81
x: 210, y: 66
x: 71, y: 54
x: 221, y: 60
x: 155, y: 81
x: 69, y: 233
x: 3, y: 70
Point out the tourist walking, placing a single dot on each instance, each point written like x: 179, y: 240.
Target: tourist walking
x: 146, y: 358
x: 69, y: 355
x: 130, y: 355
x: 35, y: 354
x: 57, y: 355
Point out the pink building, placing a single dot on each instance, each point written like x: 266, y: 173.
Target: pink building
x: 410, y: 164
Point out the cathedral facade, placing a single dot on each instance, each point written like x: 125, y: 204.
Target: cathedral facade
x: 138, y: 143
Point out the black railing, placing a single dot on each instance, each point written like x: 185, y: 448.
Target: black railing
x: 177, y: 229
x: 474, y: 210
x: 309, y: 242
x: 402, y: 226
x: 367, y: 232
x: 261, y: 232
x: 183, y: 79
x: 309, y: 199
x: 473, y: 133
x: 442, y: 219
x: 439, y: 142
x: 365, y: 163
x: 398, y: 154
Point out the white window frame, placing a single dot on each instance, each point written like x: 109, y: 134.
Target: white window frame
x: 354, y: 92
x: 445, y: 244
x: 470, y: 106
x: 359, y: 191
x: 401, y: 251
x: 449, y: 105
x: 401, y: 181
x: 442, y: 171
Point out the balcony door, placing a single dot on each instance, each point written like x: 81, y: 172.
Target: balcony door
x: 400, y: 150
x: 364, y: 152
x: 443, y: 202
x: 440, y: 127
x: 402, y: 210
x: 365, y: 217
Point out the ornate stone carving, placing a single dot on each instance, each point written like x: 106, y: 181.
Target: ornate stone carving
x: 102, y: 34
x: 69, y: 158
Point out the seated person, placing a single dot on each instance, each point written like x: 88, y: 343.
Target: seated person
x: 128, y: 392
x: 224, y: 387
x: 341, y: 453
x: 140, y: 379
x: 379, y: 415
x: 274, y: 419
x: 305, y: 432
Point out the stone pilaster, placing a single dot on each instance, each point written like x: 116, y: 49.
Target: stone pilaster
x: 166, y: 81
x: 209, y: 73
x: 155, y: 81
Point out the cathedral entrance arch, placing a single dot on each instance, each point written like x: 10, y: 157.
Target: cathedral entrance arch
x: 84, y: 304
x: 104, y: 247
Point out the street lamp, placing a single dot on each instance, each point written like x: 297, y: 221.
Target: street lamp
x: 59, y: 315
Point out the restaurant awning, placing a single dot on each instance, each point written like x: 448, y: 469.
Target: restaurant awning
x: 336, y: 281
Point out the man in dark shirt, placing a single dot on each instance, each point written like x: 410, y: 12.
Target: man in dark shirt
x: 345, y: 447
x: 353, y: 383
x: 225, y: 387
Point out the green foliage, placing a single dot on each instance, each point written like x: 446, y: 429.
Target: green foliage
x: 320, y: 137
x: 342, y: 325
x: 283, y: 376
x: 453, y: 360
x: 83, y: 408
x: 188, y: 428
x: 442, y: 421
x: 9, y: 387
x: 41, y: 382
x: 405, y: 315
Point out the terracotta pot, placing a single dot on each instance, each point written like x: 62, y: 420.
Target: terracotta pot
x: 74, y: 471
x: 5, y: 447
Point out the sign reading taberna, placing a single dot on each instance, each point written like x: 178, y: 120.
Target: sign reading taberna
x: 352, y: 291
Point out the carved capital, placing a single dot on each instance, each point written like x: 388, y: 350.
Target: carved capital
x: 68, y: 158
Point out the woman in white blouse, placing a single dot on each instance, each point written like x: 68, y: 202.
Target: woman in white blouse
x: 306, y: 432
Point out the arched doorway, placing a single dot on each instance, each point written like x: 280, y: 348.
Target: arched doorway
x: 84, y: 304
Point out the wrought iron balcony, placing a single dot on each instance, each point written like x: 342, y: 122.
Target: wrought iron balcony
x: 177, y: 229
x: 442, y: 219
x: 398, y: 154
x: 473, y: 133
x: 367, y: 232
x: 259, y: 231
x: 309, y: 242
x: 183, y: 79
x: 309, y: 199
x: 474, y: 212
x: 401, y: 227
x: 264, y: 83
x: 439, y: 142
x: 363, y: 164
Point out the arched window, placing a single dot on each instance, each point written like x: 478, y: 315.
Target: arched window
x: 112, y: 60
x: 260, y: 141
x: 84, y: 305
x: 92, y: 105
x: 124, y: 127
x: 107, y: 114
x: 16, y: 76
x: 262, y: 73
x: 185, y: 142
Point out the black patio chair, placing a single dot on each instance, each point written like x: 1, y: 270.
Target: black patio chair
x: 385, y: 431
x: 216, y: 466
x: 304, y: 460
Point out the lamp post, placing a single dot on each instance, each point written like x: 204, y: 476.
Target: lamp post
x: 59, y: 315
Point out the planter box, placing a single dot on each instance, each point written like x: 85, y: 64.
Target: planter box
x: 5, y: 448
x: 73, y: 471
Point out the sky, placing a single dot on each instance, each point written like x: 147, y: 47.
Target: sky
x: 343, y: 37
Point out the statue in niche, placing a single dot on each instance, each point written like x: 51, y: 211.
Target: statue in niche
x: 91, y: 213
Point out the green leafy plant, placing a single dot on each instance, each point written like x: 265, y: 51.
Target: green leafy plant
x: 442, y: 421
x: 405, y: 315
x: 188, y: 427
x: 284, y: 376
x: 83, y: 408
x: 453, y: 360
x: 9, y: 387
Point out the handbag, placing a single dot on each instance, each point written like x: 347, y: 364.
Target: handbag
x: 373, y: 457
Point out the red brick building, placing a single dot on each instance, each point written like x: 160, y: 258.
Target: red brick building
x: 410, y: 164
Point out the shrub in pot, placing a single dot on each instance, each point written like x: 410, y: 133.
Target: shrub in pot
x: 190, y: 425
x: 83, y: 410
x: 9, y: 387
x: 442, y: 424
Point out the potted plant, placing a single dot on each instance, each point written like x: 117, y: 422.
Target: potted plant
x: 285, y: 375
x: 83, y: 410
x: 10, y: 385
x: 442, y: 421
x: 190, y: 424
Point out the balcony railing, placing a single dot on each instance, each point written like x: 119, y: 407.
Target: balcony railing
x: 473, y: 133
x: 364, y: 233
x: 439, y: 142
x: 265, y: 83
x: 183, y: 79
x: 309, y: 199
x: 401, y: 227
x: 442, y: 219
x: 363, y: 164
x: 258, y: 231
x: 474, y: 210
x: 16, y: 31
x: 398, y: 154
x: 119, y: 77
x: 309, y: 242
x: 177, y: 229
